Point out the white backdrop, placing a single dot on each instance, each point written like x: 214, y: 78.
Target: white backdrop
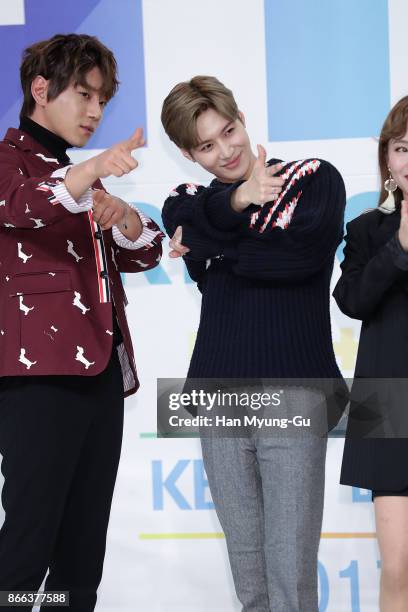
x: 165, y: 550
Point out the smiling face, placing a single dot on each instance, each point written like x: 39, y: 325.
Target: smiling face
x: 397, y: 157
x: 224, y: 148
x: 75, y: 113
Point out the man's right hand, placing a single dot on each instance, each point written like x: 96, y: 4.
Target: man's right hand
x: 261, y: 187
x: 118, y: 160
x: 115, y: 161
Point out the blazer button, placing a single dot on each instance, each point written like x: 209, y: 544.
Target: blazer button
x: 104, y: 274
x: 98, y: 235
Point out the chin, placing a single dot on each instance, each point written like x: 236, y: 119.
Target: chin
x: 79, y: 142
x: 238, y: 174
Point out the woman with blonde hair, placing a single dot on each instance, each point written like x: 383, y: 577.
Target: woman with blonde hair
x: 374, y: 288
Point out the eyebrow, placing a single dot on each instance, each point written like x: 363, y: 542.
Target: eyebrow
x: 90, y: 88
x: 226, y: 126
x: 401, y: 142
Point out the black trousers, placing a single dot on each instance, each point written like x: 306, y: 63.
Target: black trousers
x: 60, y: 437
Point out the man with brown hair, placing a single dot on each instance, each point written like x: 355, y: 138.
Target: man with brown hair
x: 66, y: 357
x: 260, y: 243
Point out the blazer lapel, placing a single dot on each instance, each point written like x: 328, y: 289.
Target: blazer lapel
x: 388, y: 225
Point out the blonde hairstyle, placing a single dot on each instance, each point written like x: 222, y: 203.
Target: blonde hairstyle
x: 185, y: 103
x: 395, y: 127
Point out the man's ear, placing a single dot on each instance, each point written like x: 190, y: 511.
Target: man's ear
x: 241, y: 117
x: 39, y: 90
x: 187, y: 154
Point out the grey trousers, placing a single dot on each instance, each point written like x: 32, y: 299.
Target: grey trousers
x: 268, y: 493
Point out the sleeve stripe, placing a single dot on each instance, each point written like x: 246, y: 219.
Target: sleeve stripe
x: 61, y: 172
x: 145, y: 238
x: 63, y: 196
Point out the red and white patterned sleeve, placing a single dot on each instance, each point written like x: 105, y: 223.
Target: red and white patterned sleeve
x: 83, y: 204
x: 142, y: 254
x: 146, y: 237
x: 25, y: 199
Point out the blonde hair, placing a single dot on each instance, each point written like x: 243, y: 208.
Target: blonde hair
x: 185, y: 103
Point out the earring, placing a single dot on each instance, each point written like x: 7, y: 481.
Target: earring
x: 390, y: 185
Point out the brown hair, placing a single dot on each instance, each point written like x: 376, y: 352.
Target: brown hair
x: 187, y: 101
x: 63, y: 59
x: 394, y: 128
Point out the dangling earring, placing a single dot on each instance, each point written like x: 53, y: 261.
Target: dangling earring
x: 390, y: 185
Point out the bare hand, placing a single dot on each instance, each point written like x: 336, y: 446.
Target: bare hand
x: 118, y: 160
x: 177, y: 249
x: 108, y: 210
x: 261, y: 187
x: 403, y: 228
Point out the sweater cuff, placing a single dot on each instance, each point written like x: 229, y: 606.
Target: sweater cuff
x: 220, y: 212
x: 201, y: 247
x: 400, y: 257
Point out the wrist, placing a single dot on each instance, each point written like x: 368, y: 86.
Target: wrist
x: 239, y: 200
x: 95, y: 167
x: 89, y: 169
x: 124, y: 222
x: 78, y: 179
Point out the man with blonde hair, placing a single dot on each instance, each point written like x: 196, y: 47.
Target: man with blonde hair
x: 260, y: 243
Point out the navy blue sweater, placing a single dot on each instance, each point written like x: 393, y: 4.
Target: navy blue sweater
x: 264, y: 274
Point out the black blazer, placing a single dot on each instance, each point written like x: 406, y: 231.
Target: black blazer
x: 374, y: 288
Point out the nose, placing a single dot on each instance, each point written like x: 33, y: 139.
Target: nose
x: 94, y: 108
x: 226, y: 150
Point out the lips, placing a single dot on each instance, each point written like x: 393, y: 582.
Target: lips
x: 234, y: 162
x: 88, y: 128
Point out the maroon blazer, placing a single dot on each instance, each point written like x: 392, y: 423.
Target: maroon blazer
x: 58, y: 274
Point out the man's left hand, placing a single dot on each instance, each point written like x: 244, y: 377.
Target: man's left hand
x: 177, y: 248
x: 108, y: 210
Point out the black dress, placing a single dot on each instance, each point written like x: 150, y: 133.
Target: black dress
x: 374, y: 288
